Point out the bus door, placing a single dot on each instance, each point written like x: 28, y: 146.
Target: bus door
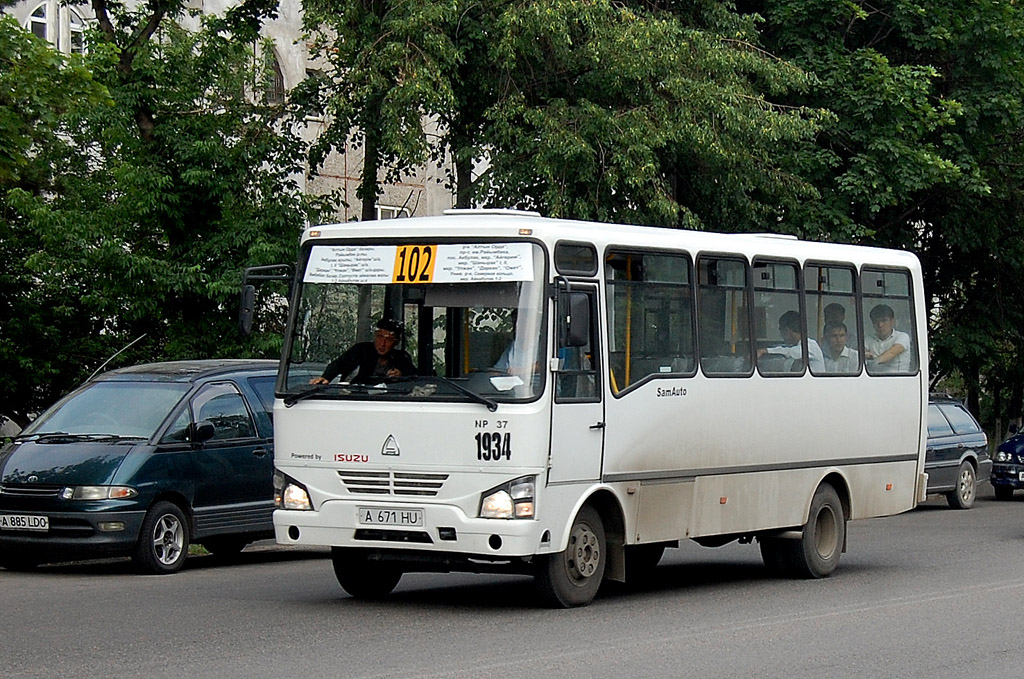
x: 577, y: 415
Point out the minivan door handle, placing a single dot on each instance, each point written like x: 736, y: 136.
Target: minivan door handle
x: 260, y: 452
x: 597, y: 425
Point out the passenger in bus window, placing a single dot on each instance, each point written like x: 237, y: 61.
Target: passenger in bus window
x: 371, y: 361
x: 887, y: 349
x: 839, y: 358
x: 790, y: 329
x: 834, y: 313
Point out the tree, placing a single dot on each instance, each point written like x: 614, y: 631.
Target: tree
x: 925, y: 154
x: 652, y: 113
x: 37, y: 87
x: 158, y: 201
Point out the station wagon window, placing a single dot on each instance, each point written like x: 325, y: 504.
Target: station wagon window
x: 937, y: 424
x: 650, y: 316
x: 888, y: 322
x: 833, y: 316
x: 723, y: 305
x: 222, y: 405
x: 778, y: 323
x: 961, y: 421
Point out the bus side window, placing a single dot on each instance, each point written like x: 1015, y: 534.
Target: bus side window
x: 650, y: 316
x: 723, y: 308
x: 888, y: 322
x: 833, y: 316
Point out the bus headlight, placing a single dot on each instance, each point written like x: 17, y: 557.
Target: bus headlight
x: 512, y: 500
x: 290, y: 494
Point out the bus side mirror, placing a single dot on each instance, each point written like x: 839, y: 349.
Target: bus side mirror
x: 245, y: 309
x: 578, y: 322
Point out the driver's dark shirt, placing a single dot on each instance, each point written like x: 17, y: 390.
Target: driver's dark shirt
x: 370, y: 369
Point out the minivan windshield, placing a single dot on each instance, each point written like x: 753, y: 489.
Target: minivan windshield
x: 112, y: 408
x: 454, y: 322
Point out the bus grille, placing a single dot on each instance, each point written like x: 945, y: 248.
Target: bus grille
x: 416, y: 484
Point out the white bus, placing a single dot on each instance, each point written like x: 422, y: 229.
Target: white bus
x: 576, y: 397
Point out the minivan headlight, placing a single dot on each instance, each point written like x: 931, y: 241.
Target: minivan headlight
x: 97, y: 493
x: 512, y: 500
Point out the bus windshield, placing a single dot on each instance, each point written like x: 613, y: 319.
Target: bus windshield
x: 450, y: 322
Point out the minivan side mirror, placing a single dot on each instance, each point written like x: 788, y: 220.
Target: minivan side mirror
x: 202, y: 431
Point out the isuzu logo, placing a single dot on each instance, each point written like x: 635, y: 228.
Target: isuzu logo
x: 390, y: 447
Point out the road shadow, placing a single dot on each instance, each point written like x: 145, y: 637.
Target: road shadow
x: 253, y: 555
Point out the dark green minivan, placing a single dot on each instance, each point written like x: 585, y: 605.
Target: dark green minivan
x: 143, y: 461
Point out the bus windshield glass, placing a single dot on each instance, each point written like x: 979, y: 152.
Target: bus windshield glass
x: 448, y: 322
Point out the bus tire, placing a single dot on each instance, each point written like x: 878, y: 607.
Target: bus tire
x: 572, y: 578
x: 361, y: 578
x: 816, y: 553
x: 962, y: 497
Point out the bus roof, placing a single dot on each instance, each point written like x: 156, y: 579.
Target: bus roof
x: 517, y: 225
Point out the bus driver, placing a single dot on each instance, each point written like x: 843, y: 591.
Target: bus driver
x: 372, y: 361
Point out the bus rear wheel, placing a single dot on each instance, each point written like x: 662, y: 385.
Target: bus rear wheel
x: 362, y: 578
x: 572, y: 578
x: 816, y: 553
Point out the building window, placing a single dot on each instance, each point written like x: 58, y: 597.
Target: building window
x: 390, y: 212
x: 275, y: 87
x: 76, y: 31
x: 38, y: 24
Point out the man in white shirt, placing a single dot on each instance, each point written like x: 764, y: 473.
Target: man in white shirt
x: 839, y: 358
x: 791, y: 329
x: 888, y: 351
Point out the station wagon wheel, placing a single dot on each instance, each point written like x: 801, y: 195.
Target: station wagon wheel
x: 572, y: 578
x: 966, y: 484
x: 163, y: 540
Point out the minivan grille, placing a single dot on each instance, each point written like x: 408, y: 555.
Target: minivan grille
x: 30, y: 491
x: 393, y: 483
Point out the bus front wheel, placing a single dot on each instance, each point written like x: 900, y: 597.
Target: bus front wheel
x: 816, y: 553
x: 572, y: 578
x: 362, y: 578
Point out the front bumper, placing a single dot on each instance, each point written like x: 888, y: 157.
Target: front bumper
x: 74, y: 535
x: 445, y: 529
x: 1007, y: 475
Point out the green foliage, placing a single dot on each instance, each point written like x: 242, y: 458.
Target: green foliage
x: 158, y: 198
x: 386, y: 64
x: 925, y: 154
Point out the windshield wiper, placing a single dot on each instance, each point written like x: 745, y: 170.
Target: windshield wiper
x: 292, y: 399
x: 491, y: 404
x: 65, y: 437
x: 342, y: 387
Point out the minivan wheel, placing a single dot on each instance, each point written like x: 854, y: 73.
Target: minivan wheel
x: 163, y: 541
x: 962, y: 497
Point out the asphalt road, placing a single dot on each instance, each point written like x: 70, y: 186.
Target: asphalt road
x: 930, y: 593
